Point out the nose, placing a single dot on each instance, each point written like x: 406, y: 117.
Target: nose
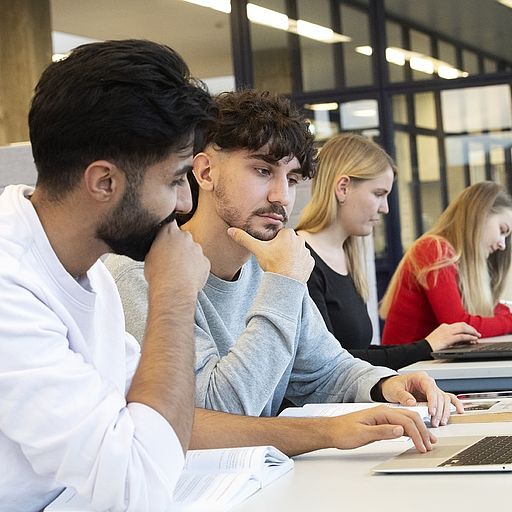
x: 501, y: 245
x: 279, y: 191
x: 384, y: 206
x: 184, y: 199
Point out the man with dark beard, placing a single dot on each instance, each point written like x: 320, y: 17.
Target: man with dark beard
x: 259, y: 336
x: 112, y: 128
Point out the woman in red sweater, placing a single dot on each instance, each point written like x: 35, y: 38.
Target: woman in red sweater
x: 456, y: 271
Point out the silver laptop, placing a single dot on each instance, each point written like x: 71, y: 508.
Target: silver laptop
x: 455, y: 455
x: 499, y: 350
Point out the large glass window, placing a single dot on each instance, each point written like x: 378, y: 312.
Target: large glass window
x: 317, y: 57
x: 271, y: 57
x: 447, y: 38
x: 436, y: 162
x: 357, y: 64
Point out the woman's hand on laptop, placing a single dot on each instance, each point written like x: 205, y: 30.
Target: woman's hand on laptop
x: 447, y: 335
x: 413, y: 387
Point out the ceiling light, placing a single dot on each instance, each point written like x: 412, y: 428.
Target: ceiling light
x: 267, y: 17
x: 447, y: 72
x: 319, y: 33
x: 508, y: 3
x: 364, y: 50
x: 322, y: 106
x: 422, y: 64
x: 218, y: 5
x: 275, y: 19
x: 364, y: 112
x: 59, y: 56
x: 417, y: 61
x: 395, y: 56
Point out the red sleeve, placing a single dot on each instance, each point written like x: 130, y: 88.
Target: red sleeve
x: 446, y: 302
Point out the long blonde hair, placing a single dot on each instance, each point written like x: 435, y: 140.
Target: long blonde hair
x: 359, y: 158
x: 481, y: 280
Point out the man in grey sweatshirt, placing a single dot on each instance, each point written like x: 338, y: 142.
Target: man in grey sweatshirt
x: 259, y: 336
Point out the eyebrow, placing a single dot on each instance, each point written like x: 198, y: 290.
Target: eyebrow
x: 183, y: 170
x: 273, y: 161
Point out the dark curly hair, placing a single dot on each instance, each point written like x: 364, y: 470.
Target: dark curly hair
x: 250, y: 119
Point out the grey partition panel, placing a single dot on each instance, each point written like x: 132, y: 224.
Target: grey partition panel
x: 16, y: 165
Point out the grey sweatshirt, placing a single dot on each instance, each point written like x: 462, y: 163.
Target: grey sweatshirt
x: 259, y: 339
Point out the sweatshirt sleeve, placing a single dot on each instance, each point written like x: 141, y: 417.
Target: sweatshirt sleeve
x: 72, y: 424
x: 323, y: 371
x: 133, y: 289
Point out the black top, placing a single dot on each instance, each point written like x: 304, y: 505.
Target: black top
x: 346, y: 316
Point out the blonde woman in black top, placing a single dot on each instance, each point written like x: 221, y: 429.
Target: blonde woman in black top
x: 350, y: 190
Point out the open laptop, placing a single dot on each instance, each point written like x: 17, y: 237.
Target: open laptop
x: 482, y: 350
x: 455, y: 455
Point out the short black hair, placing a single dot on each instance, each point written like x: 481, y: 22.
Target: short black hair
x: 250, y: 119
x: 132, y: 102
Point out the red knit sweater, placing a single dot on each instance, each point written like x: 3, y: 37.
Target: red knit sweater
x: 417, y: 311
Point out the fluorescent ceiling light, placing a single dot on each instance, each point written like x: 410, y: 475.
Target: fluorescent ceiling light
x: 417, y: 61
x: 218, y: 5
x: 365, y: 50
x: 447, y: 72
x: 395, y: 56
x: 59, y: 56
x: 318, y: 32
x: 280, y: 21
x: 321, y: 106
x: 422, y: 64
x: 267, y: 17
x: 364, y: 112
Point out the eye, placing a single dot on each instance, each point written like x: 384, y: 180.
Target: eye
x: 263, y: 171
x: 179, y: 182
x: 293, y: 179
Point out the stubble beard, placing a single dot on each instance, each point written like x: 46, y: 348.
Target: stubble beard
x: 232, y: 217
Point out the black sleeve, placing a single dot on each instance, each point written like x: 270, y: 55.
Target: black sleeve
x: 395, y: 356
x: 316, y: 289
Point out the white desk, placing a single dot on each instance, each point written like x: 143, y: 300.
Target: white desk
x: 462, y: 376
x: 335, y: 480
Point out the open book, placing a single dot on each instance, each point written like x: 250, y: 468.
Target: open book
x: 484, y: 410
x: 218, y: 479
x: 346, y: 408
x: 212, y: 480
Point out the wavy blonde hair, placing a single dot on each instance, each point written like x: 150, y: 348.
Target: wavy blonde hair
x: 359, y: 158
x: 481, y: 279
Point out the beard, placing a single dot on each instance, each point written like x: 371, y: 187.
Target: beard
x: 233, y: 217
x: 130, y: 229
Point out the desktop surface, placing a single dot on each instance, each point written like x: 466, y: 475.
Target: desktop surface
x: 466, y: 376
x: 342, y: 480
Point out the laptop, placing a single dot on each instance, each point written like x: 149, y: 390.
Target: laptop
x: 497, y: 350
x: 455, y: 455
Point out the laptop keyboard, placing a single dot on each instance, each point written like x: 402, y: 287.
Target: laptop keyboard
x: 491, y: 347
x: 489, y: 450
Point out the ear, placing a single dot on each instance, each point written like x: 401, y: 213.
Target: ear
x: 104, y: 181
x: 341, y: 188
x: 201, y: 167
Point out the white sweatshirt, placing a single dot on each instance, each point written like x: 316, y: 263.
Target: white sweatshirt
x: 65, y: 366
